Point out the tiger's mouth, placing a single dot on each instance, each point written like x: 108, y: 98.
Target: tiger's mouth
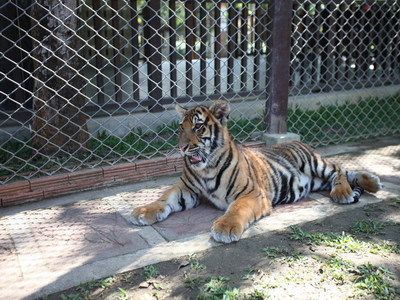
x: 195, y: 159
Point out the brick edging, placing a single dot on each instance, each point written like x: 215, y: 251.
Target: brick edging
x: 36, y: 189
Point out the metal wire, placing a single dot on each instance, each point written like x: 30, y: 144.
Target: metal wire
x: 116, y: 68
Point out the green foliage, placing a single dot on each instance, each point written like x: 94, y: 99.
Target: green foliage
x: 258, y: 293
x: 368, y: 227
x: 344, y: 242
x: 216, y: 288
x: 195, y: 264
x: 122, y: 294
x: 337, y: 269
x: 194, y: 281
x: 375, y: 280
x: 150, y: 272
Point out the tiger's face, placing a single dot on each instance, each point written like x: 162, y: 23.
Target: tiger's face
x: 202, y: 131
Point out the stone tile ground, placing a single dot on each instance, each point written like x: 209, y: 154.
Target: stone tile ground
x: 52, y: 245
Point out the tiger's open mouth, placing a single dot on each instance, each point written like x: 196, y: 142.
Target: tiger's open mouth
x: 195, y: 159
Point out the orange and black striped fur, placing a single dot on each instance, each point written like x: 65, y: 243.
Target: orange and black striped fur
x: 244, y: 182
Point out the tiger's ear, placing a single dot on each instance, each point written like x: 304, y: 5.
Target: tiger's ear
x: 180, y: 110
x: 221, y: 109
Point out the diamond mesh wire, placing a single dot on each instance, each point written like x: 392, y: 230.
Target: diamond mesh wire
x: 90, y: 83
x: 345, y: 54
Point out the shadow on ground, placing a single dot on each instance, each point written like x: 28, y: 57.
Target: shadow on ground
x: 271, y: 263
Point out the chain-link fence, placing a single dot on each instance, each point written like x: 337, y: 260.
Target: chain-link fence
x: 343, y: 51
x: 93, y: 83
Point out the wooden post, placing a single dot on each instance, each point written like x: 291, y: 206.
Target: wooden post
x: 135, y: 50
x: 152, y: 36
x: 278, y: 87
x: 190, y: 39
x: 59, y: 123
x: 117, y: 48
x: 172, y: 48
x: 98, y: 43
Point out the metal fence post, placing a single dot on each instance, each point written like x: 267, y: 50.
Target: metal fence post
x: 278, y: 87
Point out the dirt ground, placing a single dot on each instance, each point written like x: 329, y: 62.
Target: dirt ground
x: 352, y: 255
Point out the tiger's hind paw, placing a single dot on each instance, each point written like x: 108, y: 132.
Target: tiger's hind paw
x: 371, y: 183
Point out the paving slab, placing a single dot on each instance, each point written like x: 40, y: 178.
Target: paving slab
x: 53, y: 245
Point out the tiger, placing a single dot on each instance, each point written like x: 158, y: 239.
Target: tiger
x: 245, y: 182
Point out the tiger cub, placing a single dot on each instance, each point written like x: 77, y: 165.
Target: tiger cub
x: 246, y: 183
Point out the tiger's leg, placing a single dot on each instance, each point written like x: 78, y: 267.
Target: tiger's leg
x: 364, y: 180
x: 175, y: 199
x: 346, y: 186
x: 239, y: 215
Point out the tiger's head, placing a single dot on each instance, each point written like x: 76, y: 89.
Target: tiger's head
x: 203, y: 130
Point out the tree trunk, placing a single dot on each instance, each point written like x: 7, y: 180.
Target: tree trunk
x: 59, y: 124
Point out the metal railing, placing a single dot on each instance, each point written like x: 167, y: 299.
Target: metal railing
x: 90, y: 83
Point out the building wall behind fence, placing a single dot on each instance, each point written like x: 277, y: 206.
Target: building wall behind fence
x: 135, y: 59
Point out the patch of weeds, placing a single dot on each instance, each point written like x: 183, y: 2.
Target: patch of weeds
x: 232, y: 294
x: 384, y: 247
x: 301, y: 235
x: 71, y: 297
x: 195, y: 264
x: 249, y: 273
x: 273, y: 252
x: 106, y: 282
x: 368, y: 227
x: 344, y: 242
x: 372, y: 208
x: 337, y: 268
x: 158, y: 286
x: 127, y: 277
x: 395, y: 202
x: 86, y: 288
x: 193, y: 282
x: 258, y: 293
x: 150, y: 272
x: 122, y: 294
x: 375, y: 280
x: 289, y: 255
x: 215, y: 289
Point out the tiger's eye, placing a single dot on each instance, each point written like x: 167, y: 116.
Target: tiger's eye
x: 198, y: 126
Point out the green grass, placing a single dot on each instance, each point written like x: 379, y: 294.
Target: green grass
x: 122, y: 294
x: 337, y: 269
x: 192, y: 282
x: 327, y: 125
x: 150, y: 272
x: 369, y: 227
x: 344, y: 242
x: 375, y: 280
x: 195, y: 264
x: 217, y: 288
x: 287, y: 255
x: 258, y: 293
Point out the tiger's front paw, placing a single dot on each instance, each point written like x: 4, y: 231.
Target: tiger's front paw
x: 226, y: 231
x: 342, y: 193
x: 149, y: 214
